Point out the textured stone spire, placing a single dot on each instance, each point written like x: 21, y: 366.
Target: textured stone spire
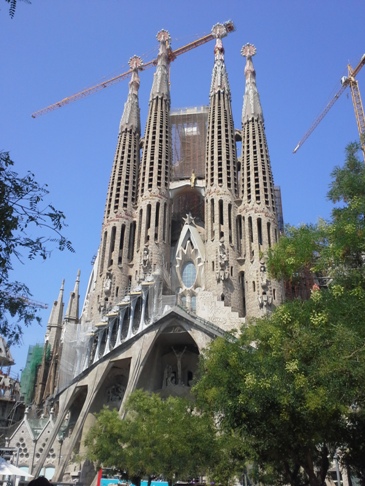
x: 221, y: 183
x: 122, y: 189
x: 153, y: 233
x: 118, y: 231
x: 257, y: 220
x: 54, y: 326
x: 72, y: 312
x: 251, y: 99
x: 155, y: 166
x: 221, y: 148
x: 131, y: 114
x: 219, y: 76
x: 53, y: 344
x: 257, y: 181
x: 161, y: 85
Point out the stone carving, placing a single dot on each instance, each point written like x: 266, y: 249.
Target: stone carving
x: 145, y: 263
x: 264, y: 299
x: 223, y: 263
x: 169, y: 377
x: 178, y: 359
x: 174, y: 330
x: 189, y: 219
x: 192, y: 179
x: 107, y: 284
x: 145, y: 257
x: 115, y: 393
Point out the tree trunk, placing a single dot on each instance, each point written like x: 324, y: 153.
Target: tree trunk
x: 136, y: 480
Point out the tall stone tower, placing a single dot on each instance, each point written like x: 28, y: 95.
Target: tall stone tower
x: 257, y: 218
x: 221, y: 187
x: 181, y: 259
x: 116, y: 252
x: 47, y: 373
x: 153, y: 235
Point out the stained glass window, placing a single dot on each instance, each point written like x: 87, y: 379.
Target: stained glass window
x: 189, y: 274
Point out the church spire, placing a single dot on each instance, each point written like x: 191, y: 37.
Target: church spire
x: 161, y: 84
x: 118, y: 231
x: 221, y: 182
x: 257, y: 181
x: 251, y: 100
x: 155, y: 166
x: 153, y: 233
x: 219, y: 76
x: 257, y: 220
x: 52, y: 347
x: 131, y: 114
x: 72, y: 312
x: 54, y: 326
x: 221, y: 148
x: 122, y: 185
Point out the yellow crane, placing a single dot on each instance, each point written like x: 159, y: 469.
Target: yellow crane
x: 228, y: 27
x: 346, y: 81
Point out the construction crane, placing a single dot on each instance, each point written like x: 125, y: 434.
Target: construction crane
x: 229, y: 27
x: 356, y: 101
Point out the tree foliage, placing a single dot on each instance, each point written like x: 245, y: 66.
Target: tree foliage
x: 288, y: 384
x: 23, y: 213
x: 335, y: 248
x: 158, y: 437
x: 12, y: 6
x: 291, y: 385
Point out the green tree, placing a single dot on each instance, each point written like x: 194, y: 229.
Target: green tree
x: 23, y: 212
x: 288, y: 383
x: 291, y: 385
x: 157, y: 437
x: 335, y: 248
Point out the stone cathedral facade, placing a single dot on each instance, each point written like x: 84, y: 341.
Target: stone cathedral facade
x: 181, y: 261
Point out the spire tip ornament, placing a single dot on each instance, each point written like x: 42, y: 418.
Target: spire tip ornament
x: 163, y: 36
x: 248, y: 50
x: 135, y: 62
x: 219, y: 31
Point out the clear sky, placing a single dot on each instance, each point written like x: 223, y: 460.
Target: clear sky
x: 53, y: 49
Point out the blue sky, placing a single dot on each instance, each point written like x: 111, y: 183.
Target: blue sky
x: 52, y: 49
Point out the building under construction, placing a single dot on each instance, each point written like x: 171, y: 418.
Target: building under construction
x: 181, y: 261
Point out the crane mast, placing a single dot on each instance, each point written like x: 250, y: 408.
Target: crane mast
x: 98, y: 87
x: 350, y: 81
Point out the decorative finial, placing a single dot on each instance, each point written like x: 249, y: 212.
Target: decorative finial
x: 219, y: 31
x: 135, y: 62
x: 163, y: 36
x: 248, y: 50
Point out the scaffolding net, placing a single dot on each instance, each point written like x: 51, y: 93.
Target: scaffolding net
x: 75, y: 346
x: 29, y: 374
x: 189, y: 132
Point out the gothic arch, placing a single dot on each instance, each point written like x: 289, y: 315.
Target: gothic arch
x: 171, y: 363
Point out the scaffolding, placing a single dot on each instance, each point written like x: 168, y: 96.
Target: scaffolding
x: 29, y: 374
x: 74, y: 356
x: 279, y: 208
x: 189, y: 133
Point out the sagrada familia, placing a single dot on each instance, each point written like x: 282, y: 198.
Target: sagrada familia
x: 181, y: 261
